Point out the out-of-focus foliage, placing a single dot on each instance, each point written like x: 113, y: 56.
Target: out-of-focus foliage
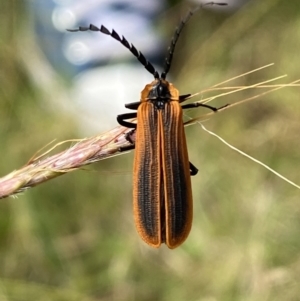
x: 73, y: 238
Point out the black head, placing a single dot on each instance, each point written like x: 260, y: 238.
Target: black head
x: 159, y: 94
x: 160, y: 90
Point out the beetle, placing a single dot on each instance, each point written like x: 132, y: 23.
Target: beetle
x: 162, y: 192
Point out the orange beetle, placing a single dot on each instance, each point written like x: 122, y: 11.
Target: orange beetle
x: 162, y: 192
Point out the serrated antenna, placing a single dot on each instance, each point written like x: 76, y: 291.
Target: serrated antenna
x: 175, y: 37
x: 149, y: 67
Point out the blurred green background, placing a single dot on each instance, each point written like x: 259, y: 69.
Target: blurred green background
x: 73, y: 238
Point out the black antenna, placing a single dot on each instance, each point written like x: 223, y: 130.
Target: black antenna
x: 124, y: 42
x: 175, y: 37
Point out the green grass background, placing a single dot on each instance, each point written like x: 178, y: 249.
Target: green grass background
x: 73, y: 238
